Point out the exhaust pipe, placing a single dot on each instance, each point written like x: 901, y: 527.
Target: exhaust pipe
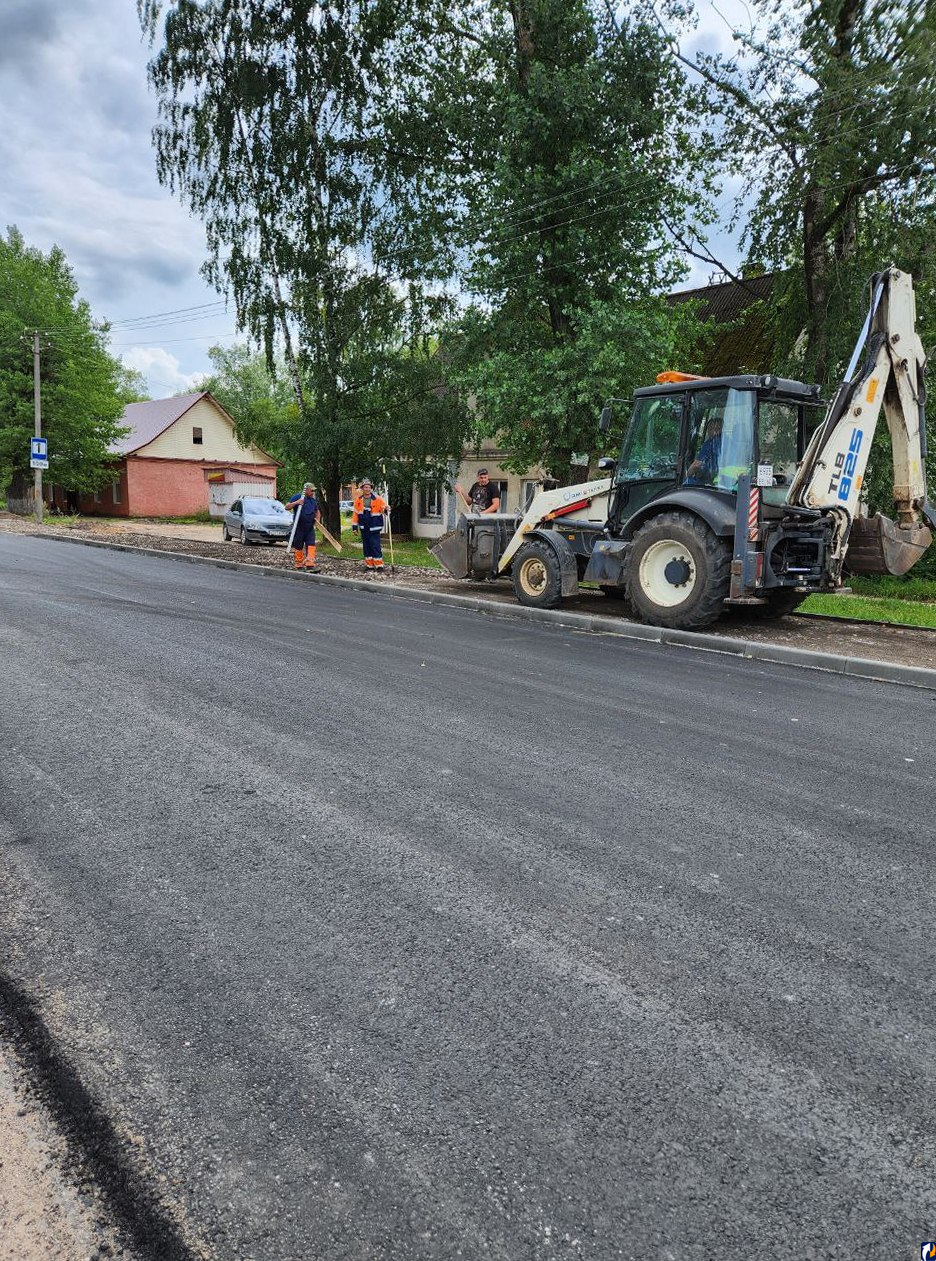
x: 876, y: 545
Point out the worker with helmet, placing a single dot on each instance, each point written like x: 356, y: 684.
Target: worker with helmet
x: 305, y: 506
x: 368, y: 518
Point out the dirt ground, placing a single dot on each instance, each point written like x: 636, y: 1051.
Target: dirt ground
x: 43, y: 1215
x: 871, y: 640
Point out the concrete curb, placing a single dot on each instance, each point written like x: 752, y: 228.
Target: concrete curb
x: 778, y: 654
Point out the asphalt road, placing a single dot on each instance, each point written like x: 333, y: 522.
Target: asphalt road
x: 372, y: 929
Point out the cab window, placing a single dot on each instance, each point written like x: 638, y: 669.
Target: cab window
x: 778, y: 432
x: 720, y: 443
x: 651, y: 445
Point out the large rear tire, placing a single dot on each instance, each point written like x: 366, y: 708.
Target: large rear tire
x: 678, y: 572
x: 537, y: 577
x: 781, y: 603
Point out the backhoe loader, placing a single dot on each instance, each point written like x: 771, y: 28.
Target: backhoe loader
x: 727, y: 491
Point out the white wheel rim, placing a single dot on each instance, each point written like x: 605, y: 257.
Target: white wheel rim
x: 533, y: 577
x: 652, y: 573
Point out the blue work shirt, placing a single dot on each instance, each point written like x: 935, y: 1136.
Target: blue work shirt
x: 308, y: 506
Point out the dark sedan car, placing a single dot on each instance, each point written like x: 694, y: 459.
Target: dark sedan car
x: 257, y: 521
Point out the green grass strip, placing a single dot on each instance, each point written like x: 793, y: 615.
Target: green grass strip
x: 868, y: 609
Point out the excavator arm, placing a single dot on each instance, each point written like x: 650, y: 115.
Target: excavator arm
x: 832, y: 471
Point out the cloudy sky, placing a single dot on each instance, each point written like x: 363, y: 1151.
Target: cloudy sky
x: 79, y: 172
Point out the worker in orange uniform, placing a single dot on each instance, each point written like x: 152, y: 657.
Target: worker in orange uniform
x: 305, y: 505
x: 368, y: 519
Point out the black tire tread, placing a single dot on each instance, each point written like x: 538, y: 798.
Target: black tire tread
x: 552, y: 597
x: 781, y: 603
x: 710, y: 606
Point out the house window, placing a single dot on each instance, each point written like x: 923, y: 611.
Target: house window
x: 501, y: 490
x: 97, y: 496
x: 527, y: 492
x: 197, y: 435
x: 115, y: 492
x: 430, y: 503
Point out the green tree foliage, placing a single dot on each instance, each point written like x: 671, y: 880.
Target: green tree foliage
x: 397, y: 424
x: 260, y: 402
x: 80, y: 383
x: 131, y: 386
x: 828, y: 110
x: 267, y: 130
x: 565, y: 163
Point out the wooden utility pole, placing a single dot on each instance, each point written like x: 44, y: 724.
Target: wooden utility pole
x: 37, y: 473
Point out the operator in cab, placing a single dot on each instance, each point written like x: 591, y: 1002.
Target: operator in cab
x: 482, y: 497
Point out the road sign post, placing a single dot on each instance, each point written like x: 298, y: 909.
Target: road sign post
x: 38, y: 431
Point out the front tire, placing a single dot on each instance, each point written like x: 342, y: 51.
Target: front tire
x: 678, y: 572
x: 537, y: 577
x: 245, y: 541
x: 224, y: 534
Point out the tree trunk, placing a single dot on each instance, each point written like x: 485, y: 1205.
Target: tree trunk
x: 816, y: 276
x: 332, y: 488
x: 20, y: 495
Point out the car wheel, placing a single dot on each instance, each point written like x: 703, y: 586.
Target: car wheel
x: 537, y: 578
x: 678, y: 572
x: 224, y: 534
x: 243, y: 536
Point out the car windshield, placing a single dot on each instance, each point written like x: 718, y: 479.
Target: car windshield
x: 263, y: 507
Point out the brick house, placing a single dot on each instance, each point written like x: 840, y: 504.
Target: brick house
x: 181, y: 457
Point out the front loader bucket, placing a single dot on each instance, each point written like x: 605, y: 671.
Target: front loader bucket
x: 452, y: 550
x: 876, y: 545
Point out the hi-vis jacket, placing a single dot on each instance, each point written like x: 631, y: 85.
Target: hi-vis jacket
x: 368, y: 513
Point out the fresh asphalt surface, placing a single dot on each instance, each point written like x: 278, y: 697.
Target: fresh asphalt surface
x: 378, y: 929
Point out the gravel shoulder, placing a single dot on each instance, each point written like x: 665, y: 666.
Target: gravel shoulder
x: 44, y: 1215
x: 873, y: 641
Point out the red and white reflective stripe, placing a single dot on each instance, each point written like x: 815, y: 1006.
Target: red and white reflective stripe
x: 567, y: 508
x: 752, y: 513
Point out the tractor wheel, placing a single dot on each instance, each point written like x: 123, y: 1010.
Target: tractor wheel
x: 781, y: 603
x: 678, y: 572
x: 537, y: 578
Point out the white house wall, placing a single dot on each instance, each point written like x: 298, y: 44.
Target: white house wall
x: 218, y: 444
x: 467, y: 474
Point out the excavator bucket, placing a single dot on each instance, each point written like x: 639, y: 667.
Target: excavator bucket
x: 452, y: 550
x: 876, y: 545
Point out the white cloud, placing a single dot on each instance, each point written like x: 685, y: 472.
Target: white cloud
x: 79, y: 171
x: 162, y: 370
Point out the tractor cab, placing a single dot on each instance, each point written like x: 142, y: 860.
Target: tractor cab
x: 694, y: 438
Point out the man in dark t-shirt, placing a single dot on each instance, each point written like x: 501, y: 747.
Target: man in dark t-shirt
x: 482, y: 497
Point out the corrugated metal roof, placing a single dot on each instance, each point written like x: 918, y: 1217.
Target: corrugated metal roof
x: 147, y: 421
x: 743, y: 339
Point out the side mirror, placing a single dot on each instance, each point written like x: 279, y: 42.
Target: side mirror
x: 607, y: 462
x: 604, y: 424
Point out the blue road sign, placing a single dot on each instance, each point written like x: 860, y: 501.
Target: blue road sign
x: 38, y: 453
